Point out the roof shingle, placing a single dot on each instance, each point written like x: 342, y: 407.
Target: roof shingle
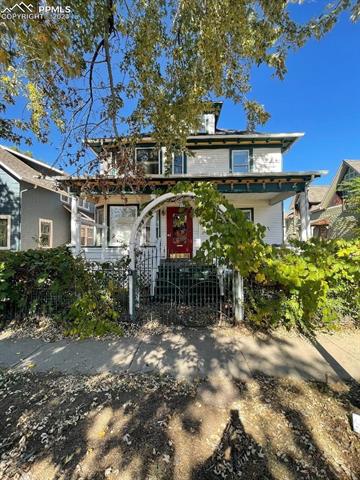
x: 24, y: 172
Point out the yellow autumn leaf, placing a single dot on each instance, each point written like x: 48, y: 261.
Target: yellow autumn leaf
x: 260, y: 277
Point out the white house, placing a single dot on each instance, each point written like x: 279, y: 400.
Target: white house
x: 247, y: 167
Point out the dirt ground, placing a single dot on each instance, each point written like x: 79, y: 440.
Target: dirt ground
x: 133, y: 427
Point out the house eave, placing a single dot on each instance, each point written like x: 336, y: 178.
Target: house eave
x: 276, y: 182
x: 280, y: 140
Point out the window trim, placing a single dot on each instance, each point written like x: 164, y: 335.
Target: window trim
x: 159, y: 158
x: 83, y: 202
x: 49, y: 221
x: 8, y: 233
x: 234, y: 150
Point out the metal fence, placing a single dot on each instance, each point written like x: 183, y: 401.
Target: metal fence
x: 40, y: 302
x: 182, y: 291
x: 113, y: 278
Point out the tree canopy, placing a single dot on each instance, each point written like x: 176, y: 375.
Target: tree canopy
x: 121, y: 67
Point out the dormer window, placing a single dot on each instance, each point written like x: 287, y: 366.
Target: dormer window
x: 148, y: 157
x: 240, y: 161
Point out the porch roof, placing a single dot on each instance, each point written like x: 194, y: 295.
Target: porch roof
x: 281, y: 185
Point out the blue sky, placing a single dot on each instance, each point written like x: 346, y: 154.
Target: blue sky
x: 319, y: 96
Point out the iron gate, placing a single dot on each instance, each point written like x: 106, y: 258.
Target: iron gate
x: 181, y: 291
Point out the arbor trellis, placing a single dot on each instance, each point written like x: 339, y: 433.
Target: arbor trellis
x: 119, y: 67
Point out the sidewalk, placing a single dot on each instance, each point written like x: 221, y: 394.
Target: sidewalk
x: 189, y: 354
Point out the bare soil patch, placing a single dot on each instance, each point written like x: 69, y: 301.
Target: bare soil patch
x: 140, y: 427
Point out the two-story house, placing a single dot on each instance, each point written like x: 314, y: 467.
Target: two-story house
x: 247, y: 167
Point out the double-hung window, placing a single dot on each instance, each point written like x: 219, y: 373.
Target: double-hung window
x: 87, y: 236
x: 5, y: 229
x: 45, y: 233
x: 178, y: 163
x: 240, y: 161
x: 148, y: 157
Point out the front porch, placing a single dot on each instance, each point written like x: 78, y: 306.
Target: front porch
x: 170, y: 229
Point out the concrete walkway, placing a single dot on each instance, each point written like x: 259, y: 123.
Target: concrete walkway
x: 190, y: 353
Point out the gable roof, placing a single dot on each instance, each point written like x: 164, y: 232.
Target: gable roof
x: 22, y: 171
x: 317, y: 192
x: 32, y: 162
x: 345, y: 164
x: 355, y: 164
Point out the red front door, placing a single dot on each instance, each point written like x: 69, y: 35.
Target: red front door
x: 179, y: 232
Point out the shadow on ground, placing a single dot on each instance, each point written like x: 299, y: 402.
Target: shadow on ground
x: 150, y: 427
x: 237, y: 415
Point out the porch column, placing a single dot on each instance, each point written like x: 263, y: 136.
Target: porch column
x: 103, y: 241
x: 75, y: 225
x: 305, y: 233
x: 238, y: 295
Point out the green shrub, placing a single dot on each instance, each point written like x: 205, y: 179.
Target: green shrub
x: 93, y: 316
x: 310, y: 285
x: 313, y: 285
x: 56, y: 283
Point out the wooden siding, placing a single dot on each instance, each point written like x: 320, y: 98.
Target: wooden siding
x: 268, y: 215
x: 40, y: 203
x: 267, y: 160
x: 217, y: 161
x: 208, y: 161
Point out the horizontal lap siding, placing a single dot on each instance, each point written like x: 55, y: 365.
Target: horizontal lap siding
x: 217, y: 161
x: 267, y: 160
x: 270, y: 216
x: 209, y: 161
x: 40, y: 203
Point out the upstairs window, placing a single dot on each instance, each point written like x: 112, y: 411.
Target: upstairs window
x: 5, y: 222
x: 179, y: 163
x: 84, y: 204
x: 148, y: 157
x: 65, y: 198
x: 45, y: 233
x: 240, y: 161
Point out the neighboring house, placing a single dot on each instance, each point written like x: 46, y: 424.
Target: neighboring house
x: 316, y: 194
x: 247, y: 167
x: 33, y: 212
x: 329, y: 216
